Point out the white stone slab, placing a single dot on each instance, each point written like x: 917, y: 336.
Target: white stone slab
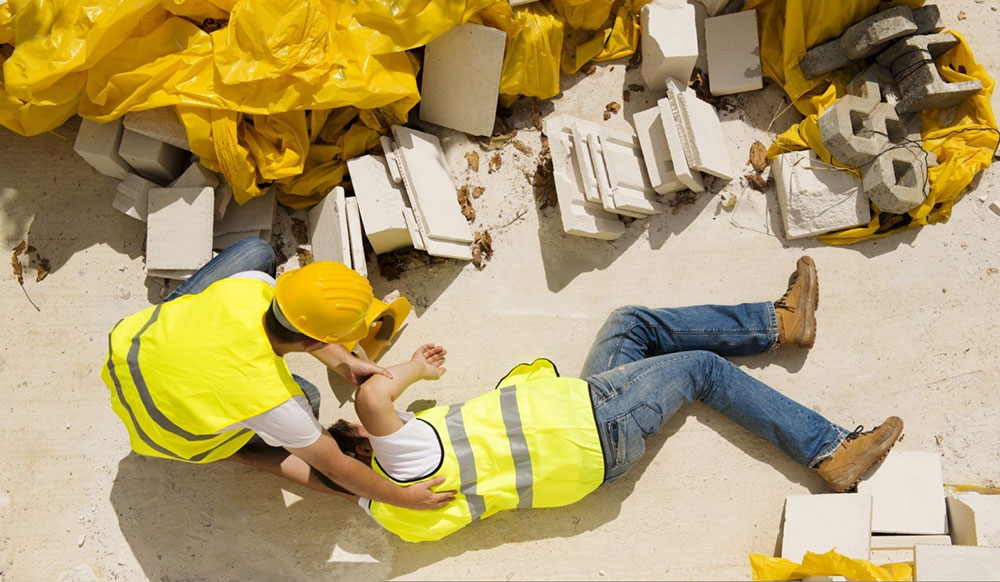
x: 413, y: 227
x: 733, y: 53
x: 328, y: 230
x: 461, y: 78
x: 974, y: 518
x: 255, y: 214
x: 131, y: 196
x: 601, y: 173
x: 448, y: 249
x: 816, y: 198
x: 700, y: 130
x: 630, y: 182
x: 888, y: 542
x: 429, y: 185
x: 655, y: 151
x: 381, y: 203
x: 908, y: 494
x: 579, y: 217
x: 580, y: 131
x: 98, y: 144
x: 358, y: 262
x: 161, y: 124
x: 669, y: 43
x: 820, y: 523
x: 223, y: 195
x: 687, y: 176
x: 155, y: 160
x: 179, y: 228
x: 196, y: 176
x: 959, y: 563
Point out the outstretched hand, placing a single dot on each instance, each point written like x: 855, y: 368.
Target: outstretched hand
x: 431, y: 359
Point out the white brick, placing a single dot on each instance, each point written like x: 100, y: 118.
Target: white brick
x: 153, y: 159
x: 669, y: 43
x: 700, y: 130
x: 223, y: 194
x: 892, y: 549
x: 179, y: 228
x: 256, y: 214
x: 815, y: 198
x: 820, y: 523
x: 448, y: 249
x: 690, y: 178
x: 356, y: 238
x: 733, y: 53
x: 196, y: 176
x: 328, y: 228
x: 974, y: 518
x: 655, y: 151
x: 939, y: 563
x: 461, y: 78
x: 132, y: 196
x: 161, y: 124
x: 632, y: 188
x: 381, y: 203
x: 98, y: 143
x: 908, y: 494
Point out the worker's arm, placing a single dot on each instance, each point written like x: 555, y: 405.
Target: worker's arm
x: 352, y: 368
x: 353, y: 475
x: 284, y: 464
x: 374, y: 401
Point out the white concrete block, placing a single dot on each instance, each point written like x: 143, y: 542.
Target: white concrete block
x: 158, y: 161
x: 196, y: 176
x: 579, y: 217
x: 223, y: 195
x: 815, y: 198
x: 655, y: 151
x: 132, y: 196
x: 714, y: 6
x: 630, y: 183
x: 687, y: 176
x: 224, y: 241
x: 974, y: 518
x: 179, y: 228
x: 461, y: 78
x: 892, y: 549
x: 908, y: 494
x: 669, y: 43
x: 429, y: 185
x: 700, y: 130
x: 959, y: 563
x: 381, y: 203
x: 820, y: 523
x: 256, y: 214
x: 328, y: 230
x: 98, y: 144
x: 161, y: 124
x: 356, y: 238
x: 733, y: 53
x: 580, y: 131
x: 413, y: 227
x: 448, y: 249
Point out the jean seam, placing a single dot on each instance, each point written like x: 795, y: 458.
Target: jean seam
x: 618, y: 346
x: 830, y: 450
x: 773, y: 329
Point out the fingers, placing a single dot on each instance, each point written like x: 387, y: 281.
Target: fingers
x: 382, y: 371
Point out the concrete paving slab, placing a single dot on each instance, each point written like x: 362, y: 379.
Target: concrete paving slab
x: 656, y: 151
x: 700, y: 130
x: 816, y: 198
x: 328, y: 228
x: 958, y: 563
x: 820, y: 523
x: 733, y: 53
x: 669, y: 43
x: 355, y: 236
x: 907, y: 494
x: 179, y: 228
x: 98, y: 143
x: 381, y: 203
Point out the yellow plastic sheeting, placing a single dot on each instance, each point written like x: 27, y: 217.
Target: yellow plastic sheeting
x: 618, y: 37
x: 6, y: 23
x: 200, y: 10
x: 533, y: 48
x: 828, y: 564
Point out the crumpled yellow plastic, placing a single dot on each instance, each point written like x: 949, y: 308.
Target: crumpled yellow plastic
x: 829, y: 564
x: 963, y: 144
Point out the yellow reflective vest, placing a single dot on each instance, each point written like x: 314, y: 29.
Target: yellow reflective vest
x: 180, y: 372
x: 531, y: 443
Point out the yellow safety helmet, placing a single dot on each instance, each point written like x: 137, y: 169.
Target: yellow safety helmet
x: 326, y: 301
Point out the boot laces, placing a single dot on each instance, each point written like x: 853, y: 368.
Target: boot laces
x: 783, y: 302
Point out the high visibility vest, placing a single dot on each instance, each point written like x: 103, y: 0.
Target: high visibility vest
x: 181, y: 371
x: 531, y: 443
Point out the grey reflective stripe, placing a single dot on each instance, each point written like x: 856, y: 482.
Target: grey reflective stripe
x: 466, y: 460
x: 147, y: 400
x: 523, y: 479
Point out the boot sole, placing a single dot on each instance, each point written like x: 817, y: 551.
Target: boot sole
x: 810, y: 330
x: 853, y: 486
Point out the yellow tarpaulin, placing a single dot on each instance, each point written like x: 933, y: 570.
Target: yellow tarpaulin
x: 963, y: 143
x: 828, y: 564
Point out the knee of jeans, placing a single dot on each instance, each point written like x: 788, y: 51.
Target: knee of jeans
x: 261, y: 253
x: 625, y: 312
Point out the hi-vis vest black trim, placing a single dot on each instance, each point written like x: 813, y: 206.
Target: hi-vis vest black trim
x: 532, y: 443
x: 429, y: 473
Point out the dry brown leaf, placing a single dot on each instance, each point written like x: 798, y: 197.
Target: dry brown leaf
x: 482, y: 247
x: 961, y: 15
x: 758, y: 156
x: 477, y: 256
x: 495, y: 162
x: 682, y: 198
x: 43, y: 269
x: 607, y: 115
x: 473, y: 159
x: 463, y: 200
x: 522, y: 147
x: 636, y: 88
x: 626, y: 95
x: 634, y: 62
x: 756, y: 182
x: 15, y: 264
x: 305, y: 256
x: 536, y: 115
x: 478, y: 191
x: 613, y: 107
x: 590, y: 70
x: 300, y: 231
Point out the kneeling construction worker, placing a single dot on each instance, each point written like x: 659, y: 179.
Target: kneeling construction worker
x: 201, y: 376
x: 540, y: 440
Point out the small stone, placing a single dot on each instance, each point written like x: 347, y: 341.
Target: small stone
x: 68, y: 426
x: 80, y: 541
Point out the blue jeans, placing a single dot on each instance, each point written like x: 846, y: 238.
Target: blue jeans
x: 646, y: 363
x: 249, y: 254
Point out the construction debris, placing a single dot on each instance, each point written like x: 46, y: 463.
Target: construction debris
x: 815, y: 198
x: 700, y: 131
x: 669, y: 43
x: 463, y: 201
x: 178, y: 231
x: 382, y: 203
x: 733, y: 53
x: 911, y: 61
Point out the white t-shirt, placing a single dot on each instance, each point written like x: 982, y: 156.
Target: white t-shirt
x: 289, y: 424
x: 411, y: 453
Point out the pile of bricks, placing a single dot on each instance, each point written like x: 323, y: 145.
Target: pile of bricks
x: 902, y: 512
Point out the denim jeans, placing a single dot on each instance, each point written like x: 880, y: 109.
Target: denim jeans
x: 646, y: 363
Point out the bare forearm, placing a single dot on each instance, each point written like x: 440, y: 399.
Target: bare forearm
x: 332, y: 355
x: 403, y: 375
x: 284, y: 464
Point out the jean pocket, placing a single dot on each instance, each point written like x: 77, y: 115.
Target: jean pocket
x: 626, y: 440
x: 648, y: 418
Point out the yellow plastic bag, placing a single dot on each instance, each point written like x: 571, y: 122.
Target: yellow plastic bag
x: 829, y: 564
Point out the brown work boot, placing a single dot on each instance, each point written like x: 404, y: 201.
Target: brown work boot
x: 859, y: 451
x: 796, y: 310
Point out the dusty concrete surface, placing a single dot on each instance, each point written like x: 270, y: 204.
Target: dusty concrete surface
x: 907, y: 325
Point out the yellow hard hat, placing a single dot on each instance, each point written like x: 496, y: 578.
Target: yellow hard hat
x: 326, y: 301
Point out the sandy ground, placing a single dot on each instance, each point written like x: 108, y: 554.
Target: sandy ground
x: 907, y: 326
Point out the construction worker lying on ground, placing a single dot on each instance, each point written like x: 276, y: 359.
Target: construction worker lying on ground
x: 540, y: 440
x: 202, y: 377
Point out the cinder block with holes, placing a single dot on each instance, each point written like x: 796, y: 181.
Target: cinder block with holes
x: 669, y: 43
x: 875, y: 83
x: 896, y: 181
x: 873, y: 33
x: 911, y: 61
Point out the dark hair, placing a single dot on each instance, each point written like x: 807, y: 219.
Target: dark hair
x: 346, y: 437
x: 281, y: 333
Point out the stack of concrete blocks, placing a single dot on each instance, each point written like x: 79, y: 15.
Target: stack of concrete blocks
x: 733, y: 53
x: 920, y: 83
x: 98, y: 144
x: 461, y: 78
x: 867, y: 132
x: 656, y: 151
x: 161, y: 124
x: 178, y: 231
x: 815, y: 198
x: 869, y: 37
x: 697, y: 125
x: 669, y: 42
x: 820, y: 523
x: 255, y: 217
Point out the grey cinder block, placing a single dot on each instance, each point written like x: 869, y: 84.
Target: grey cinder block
x: 911, y: 61
x: 179, y: 228
x: 98, y: 144
x: 158, y: 161
x: 873, y: 33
